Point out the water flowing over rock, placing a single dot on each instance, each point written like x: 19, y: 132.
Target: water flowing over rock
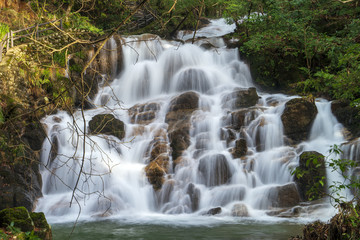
x: 215, y: 170
x: 297, y: 118
x: 195, y: 138
x: 312, y: 167
x: 107, y: 124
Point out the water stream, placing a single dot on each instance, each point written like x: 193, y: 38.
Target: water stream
x: 113, y: 184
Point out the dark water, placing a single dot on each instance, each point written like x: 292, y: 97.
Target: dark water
x: 120, y: 230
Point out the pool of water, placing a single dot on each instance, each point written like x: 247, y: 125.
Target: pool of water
x: 215, y: 229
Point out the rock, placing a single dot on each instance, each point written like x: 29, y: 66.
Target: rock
x: 194, y: 194
x: 183, y: 102
x: 42, y: 228
x: 215, y: 170
x: 26, y: 222
x: 143, y: 113
x: 240, y: 148
x: 156, y: 170
x: 214, y: 211
x: 239, y: 210
x: 241, y: 98
x: 20, y: 185
x: 178, y: 119
x: 227, y: 135
x: 297, y: 119
x: 312, y: 165
x: 284, y: 196
x: 19, y: 216
x: 34, y: 135
x: 107, y: 124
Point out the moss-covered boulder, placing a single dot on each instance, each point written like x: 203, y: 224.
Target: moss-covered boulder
x: 311, y: 171
x: 42, y: 228
x: 20, y: 218
x: 107, y: 124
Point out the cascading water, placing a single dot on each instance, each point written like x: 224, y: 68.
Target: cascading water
x: 167, y: 88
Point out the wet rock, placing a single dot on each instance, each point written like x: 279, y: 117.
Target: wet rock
x: 20, y: 185
x: 214, y: 211
x: 178, y: 119
x: 239, y: 210
x: 26, y: 221
x: 159, y: 147
x: 156, y: 171
x: 107, y: 124
x: 183, y: 102
x: 144, y: 113
x: 227, y: 135
x: 34, y: 135
x: 284, y: 196
x: 241, y: 98
x: 297, y: 118
x: 215, y: 170
x: 240, y: 148
x: 194, y: 194
x: 312, y: 165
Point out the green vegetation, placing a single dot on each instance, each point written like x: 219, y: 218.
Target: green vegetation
x: 4, y: 29
x: 312, y: 46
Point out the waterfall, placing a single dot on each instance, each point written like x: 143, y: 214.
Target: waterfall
x: 182, y: 113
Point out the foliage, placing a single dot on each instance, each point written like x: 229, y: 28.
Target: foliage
x: 13, y: 232
x: 4, y: 29
x: 313, y: 45
x: 83, y: 23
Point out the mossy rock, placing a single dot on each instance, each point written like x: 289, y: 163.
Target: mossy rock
x: 42, y: 228
x: 107, y: 124
x: 19, y: 216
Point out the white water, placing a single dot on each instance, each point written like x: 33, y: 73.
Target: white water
x: 113, y: 182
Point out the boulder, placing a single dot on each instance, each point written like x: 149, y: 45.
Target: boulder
x: 239, y: 210
x: 107, y: 124
x: 312, y: 168
x: 26, y: 221
x: 284, y: 196
x: 240, y: 148
x: 240, y: 98
x: 214, y: 211
x: 287, y: 195
x: 297, y: 119
x: 215, y: 170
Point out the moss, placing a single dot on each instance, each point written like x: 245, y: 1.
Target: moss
x: 19, y: 216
